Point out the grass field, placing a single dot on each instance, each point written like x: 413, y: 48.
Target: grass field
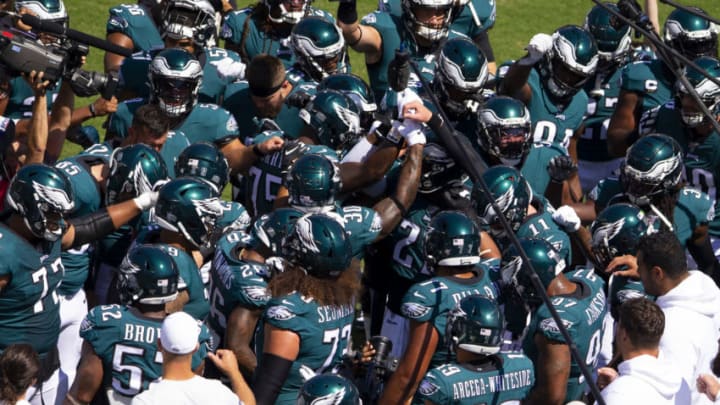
x: 517, y: 21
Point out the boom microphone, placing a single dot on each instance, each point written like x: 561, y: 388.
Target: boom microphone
x: 57, y: 29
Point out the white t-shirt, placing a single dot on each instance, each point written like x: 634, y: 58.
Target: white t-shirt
x: 195, y: 391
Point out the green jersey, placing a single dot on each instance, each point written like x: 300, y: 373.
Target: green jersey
x: 693, y: 208
x: 235, y: 217
x: 29, y: 302
x: 582, y: 313
x: 432, y: 300
x: 126, y: 342
x: 534, y: 168
x: 651, y: 80
x: 408, y: 241
x: 238, y: 101
x: 554, y: 124
x: 542, y: 225
x: 88, y: 199
x: 362, y: 225
x: 475, y: 18
x: 604, y: 91
x: 507, y: 379
x: 702, y: 161
x: 244, y: 29
x: 234, y: 282
x: 135, y: 22
x: 22, y: 98
x: 323, y: 330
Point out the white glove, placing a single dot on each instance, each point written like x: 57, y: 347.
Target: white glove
x: 411, y: 130
x: 228, y: 68
x: 567, y: 218
x: 405, y: 97
x: 146, y: 200
x: 539, y: 45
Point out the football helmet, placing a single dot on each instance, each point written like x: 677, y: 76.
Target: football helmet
x: 612, y: 36
x: 461, y: 73
x: 134, y: 169
x: 570, y: 63
x: 510, y: 191
x: 616, y: 232
x: 439, y: 170
x: 452, y: 239
x: 504, y: 130
x: 653, y: 166
x: 270, y: 229
x: 329, y: 389
x: 206, y: 161
x: 175, y: 76
x: 313, y: 182
x: 189, y: 19
x: 191, y: 207
x: 318, y: 244
x: 417, y: 13
x: 359, y: 92
x: 279, y: 13
x: 476, y: 325
x: 708, y: 91
x: 334, y: 118
x: 147, y: 275
x: 43, y: 196
x: 691, y: 35
x: 546, y: 261
x: 47, y: 10
x: 319, y: 47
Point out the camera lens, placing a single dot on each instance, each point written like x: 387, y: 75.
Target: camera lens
x: 383, y: 347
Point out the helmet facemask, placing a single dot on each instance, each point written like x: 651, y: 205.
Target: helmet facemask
x: 416, y: 14
x: 183, y: 19
x: 692, y: 44
x: 175, y: 96
x: 320, y: 62
x: 298, y: 9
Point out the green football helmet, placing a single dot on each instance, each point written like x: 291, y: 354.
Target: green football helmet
x: 147, y: 275
x: 359, y: 92
x: 279, y: 13
x: 504, y: 130
x: 616, y: 232
x: 175, y: 76
x: 452, y: 239
x: 613, y: 37
x: 189, y: 19
x: 708, y: 91
x: 43, y: 196
x: 476, y: 325
x: 334, y: 118
x: 691, y: 35
x: 134, y: 169
x: 204, y: 160
x: 318, y: 244
x: 421, y: 30
x: 439, y: 170
x: 461, y: 73
x: 329, y: 389
x: 546, y: 261
x: 53, y: 11
x: 571, y: 62
x: 319, y: 47
x: 510, y: 191
x: 270, y: 229
x: 313, y: 183
x: 653, y: 166
x: 191, y: 207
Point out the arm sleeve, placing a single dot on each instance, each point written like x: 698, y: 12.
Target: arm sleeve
x: 483, y: 42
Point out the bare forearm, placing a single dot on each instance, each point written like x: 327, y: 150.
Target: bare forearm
x: 514, y: 83
x: 60, y: 121
x: 38, y: 134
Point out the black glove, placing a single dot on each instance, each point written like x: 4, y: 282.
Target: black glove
x: 298, y: 99
x: 347, y: 11
x: 561, y: 168
x: 399, y: 70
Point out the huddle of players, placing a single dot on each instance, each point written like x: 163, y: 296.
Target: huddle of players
x: 454, y: 298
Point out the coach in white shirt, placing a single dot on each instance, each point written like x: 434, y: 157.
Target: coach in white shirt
x: 690, y: 301
x: 179, y: 384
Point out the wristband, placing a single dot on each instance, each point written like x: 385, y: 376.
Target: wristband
x: 398, y: 204
x: 91, y: 107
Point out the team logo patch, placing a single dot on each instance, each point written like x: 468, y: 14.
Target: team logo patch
x: 549, y: 325
x: 335, y: 398
x: 427, y: 388
x: 414, y: 310
x: 256, y: 293
x: 624, y: 295
x: 280, y: 312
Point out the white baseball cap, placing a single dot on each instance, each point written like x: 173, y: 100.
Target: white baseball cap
x: 179, y: 333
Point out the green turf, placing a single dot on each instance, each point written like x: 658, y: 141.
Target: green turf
x: 517, y: 22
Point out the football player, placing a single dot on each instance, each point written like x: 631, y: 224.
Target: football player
x: 646, y: 85
x: 452, y: 251
x: 308, y: 320
x: 120, y: 352
x: 34, y: 233
x: 475, y: 328
x: 133, y: 26
x: 503, y: 132
x: 579, y: 298
x: 319, y: 49
x: 549, y: 80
